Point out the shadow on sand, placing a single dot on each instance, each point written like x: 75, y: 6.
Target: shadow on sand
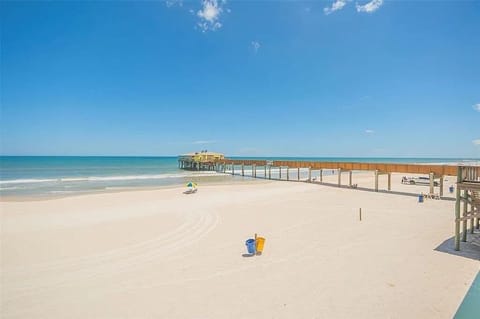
x: 467, y: 249
x: 365, y: 189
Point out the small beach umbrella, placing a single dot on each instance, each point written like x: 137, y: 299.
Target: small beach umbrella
x: 192, y: 184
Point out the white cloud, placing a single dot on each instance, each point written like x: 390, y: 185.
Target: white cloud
x: 204, y: 142
x: 171, y: 3
x: 476, y: 107
x: 370, y: 6
x: 337, y: 5
x: 476, y: 142
x: 369, y: 131
x: 255, y: 46
x: 210, y: 15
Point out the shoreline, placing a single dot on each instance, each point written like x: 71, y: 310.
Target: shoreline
x: 329, y: 179
x: 114, y: 190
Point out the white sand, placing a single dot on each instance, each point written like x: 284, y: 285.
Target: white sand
x: 163, y: 254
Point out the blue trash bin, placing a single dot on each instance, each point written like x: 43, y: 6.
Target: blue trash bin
x: 250, y: 246
x: 451, y: 189
x: 420, y: 198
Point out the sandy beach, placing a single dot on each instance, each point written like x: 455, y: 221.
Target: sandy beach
x: 164, y: 254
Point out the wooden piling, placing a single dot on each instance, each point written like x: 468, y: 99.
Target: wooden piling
x: 360, y: 213
x: 432, y: 183
x: 269, y: 172
x: 243, y: 172
x: 339, y: 177
x: 321, y: 175
x: 309, y: 174
x: 472, y: 220
x: 457, y: 211
x: 350, y: 178
x: 465, y: 221
x: 298, y: 173
x: 254, y: 170
x: 376, y: 180
x: 279, y: 172
x: 441, y: 186
x: 288, y: 173
x: 389, y: 181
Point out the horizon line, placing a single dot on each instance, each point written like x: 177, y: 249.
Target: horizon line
x: 269, y: 156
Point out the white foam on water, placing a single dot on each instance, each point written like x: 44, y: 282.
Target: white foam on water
x: 112, y: 178
x: 9, y: 188
x: 62, y: 192
x: 26, y: 181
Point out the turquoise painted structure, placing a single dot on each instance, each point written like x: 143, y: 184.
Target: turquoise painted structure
x: 470, y: 307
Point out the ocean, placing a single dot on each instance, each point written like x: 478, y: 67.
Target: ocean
x: 39, y: 176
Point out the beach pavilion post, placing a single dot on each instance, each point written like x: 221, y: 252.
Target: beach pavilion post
x: 432, y: 176
x: 465, y: 212
x: 441, y: 186
x: 472, y: 220
x: 457, y: 210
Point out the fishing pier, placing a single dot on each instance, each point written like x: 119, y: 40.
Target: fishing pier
x: 281, y: 170
x: 467, y: 206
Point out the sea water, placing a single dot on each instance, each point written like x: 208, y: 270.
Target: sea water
x: 68, y: 175
x: 50, y: 176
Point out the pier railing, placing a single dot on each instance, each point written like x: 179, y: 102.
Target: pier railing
x: 438, y: 170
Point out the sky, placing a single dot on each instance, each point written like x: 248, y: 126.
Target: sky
x: 252, y: 78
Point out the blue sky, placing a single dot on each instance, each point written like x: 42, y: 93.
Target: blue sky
x: 271, y: 78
